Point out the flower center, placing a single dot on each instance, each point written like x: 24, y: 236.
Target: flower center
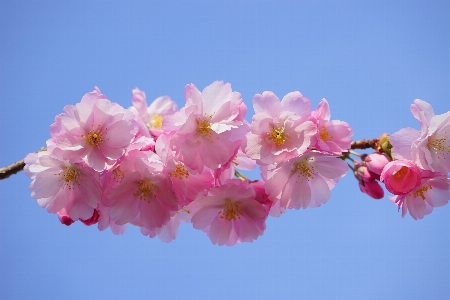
x: 118, y: 174
x: 401, y: 173
x: 155, y: 121
x: 145, y: 190
x: 180, y: 172
x: 324, y: 135
x: 230, y: 210
x: 70, y: 176
x: 420, y: 192
x: 277, y: 135
x: 94, y: 138
x: 439, y: 146
x: 304, y: 169
x: 204, y: 128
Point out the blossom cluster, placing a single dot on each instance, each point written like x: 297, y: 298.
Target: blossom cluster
x: 414, y: 166
x: 155, y: 166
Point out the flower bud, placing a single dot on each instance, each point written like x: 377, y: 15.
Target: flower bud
x: 383, y: 145
x: 375, y: 162
x: 372, y: 188
x: 401, y: 176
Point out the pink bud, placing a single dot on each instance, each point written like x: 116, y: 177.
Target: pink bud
x: 372, y: 188
x: 376, y: 162
x: 401, y: 176
x: 362, y: 173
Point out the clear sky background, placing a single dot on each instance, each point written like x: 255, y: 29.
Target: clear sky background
x: 370, y: 60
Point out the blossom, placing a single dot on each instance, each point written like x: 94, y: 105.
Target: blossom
x: 152, y: 116
x: 305, y: 180
x: 60, y: 185
x: 144, y: 193
x: 376, y: 162
x: 401, y: 176
x: 433, y: 191
x: 95, y: 131
x: 332, y: 136
x: 205, y: 127
x: 279, y: 130
x: 187, y: 184
x: 429, y: 148
x: 230, y: 214
x: 368, y: 181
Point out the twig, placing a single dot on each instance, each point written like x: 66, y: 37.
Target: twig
x: 364, y: 144
x: 14, y: 168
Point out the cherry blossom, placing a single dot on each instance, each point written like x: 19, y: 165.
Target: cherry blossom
x: 306, y: 180
x: 332, y: 136
x: 280, y: 130
x: 60, y: 185
x: 433, y: 191
x: 95, y: 131
x: 144, y: 192
x: 204, y: 127
x: 401, y: 176
x: 230, y: 214
x: 429, y: 148
x: 152, y: 116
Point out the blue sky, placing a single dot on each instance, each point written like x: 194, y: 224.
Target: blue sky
x: 370, y: 60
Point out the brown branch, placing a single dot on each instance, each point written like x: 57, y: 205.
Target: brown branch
x: 365, y: 144
x: 14, y: 168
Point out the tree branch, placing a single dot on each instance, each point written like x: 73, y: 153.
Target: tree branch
x: 14, y: 168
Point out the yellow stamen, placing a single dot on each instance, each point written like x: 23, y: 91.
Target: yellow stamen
x: 420, y: 192
x: 94, y: 137
x: 71, y: 176
x: 180, y: 172
x: 230, y: 210
x: 324, y: 135
x: 204, y: 128
x: 118, y: 174
x: 304, y: 169
x: 277, y: 135
x: 145, y: 190
x: 401, y: 173
x: 439, y: 146
x: 155, y: 121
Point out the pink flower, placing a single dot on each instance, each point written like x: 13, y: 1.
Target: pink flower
x: 144, y: 192
x: 433, y: 191
x: 152, y: 116
x: 372, y: 188
x: 62, y: 185
x: 95, y: 131
x: 230, y: 214
x: 376, y: 162
x: 401, y: 176
x: 306, y: 180
x: 187, y: 184
x: 368, y: 183
x: 332, y: 136
x: 279, y: 130
x: 205, y: 128
x: 429, y: 148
